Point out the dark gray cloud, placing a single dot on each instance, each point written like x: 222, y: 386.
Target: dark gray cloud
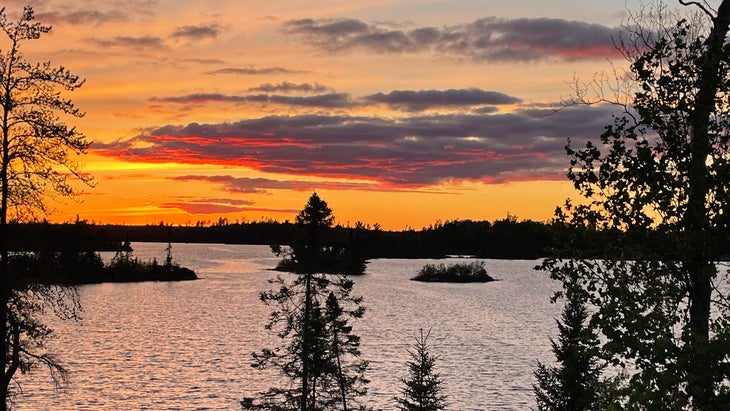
x: 137, y: 43
x: 148, y: 42
x: 486, y: 39
x: 485, y: 110
x: 424, y: 99
x: 287, y: 87
x: 400, y: 99
x: 251, y: 70
x: 330, y: 100
x: 197, y: 32
x: 405, y: 153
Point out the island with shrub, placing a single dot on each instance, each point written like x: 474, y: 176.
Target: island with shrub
x: 473, y: 272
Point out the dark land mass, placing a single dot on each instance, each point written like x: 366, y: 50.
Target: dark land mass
x: 507, y: 239
x: 502, y: 239
x: 347, y: 249
x: 76, y: 268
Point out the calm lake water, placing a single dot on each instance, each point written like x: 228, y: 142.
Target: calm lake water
x: 187, y: 345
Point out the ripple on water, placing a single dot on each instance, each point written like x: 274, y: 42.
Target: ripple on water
x: 187, y: 345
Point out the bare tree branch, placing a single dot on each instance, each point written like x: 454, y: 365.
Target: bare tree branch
x: 704, y: 7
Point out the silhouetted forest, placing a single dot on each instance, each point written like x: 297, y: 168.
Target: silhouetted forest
x: 506, y: 238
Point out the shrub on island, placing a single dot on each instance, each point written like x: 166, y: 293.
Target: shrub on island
x: 473, y: 272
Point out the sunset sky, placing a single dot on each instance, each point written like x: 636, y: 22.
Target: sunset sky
x: 396, y: 112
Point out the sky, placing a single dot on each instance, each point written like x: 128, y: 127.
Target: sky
x: 401, y: 113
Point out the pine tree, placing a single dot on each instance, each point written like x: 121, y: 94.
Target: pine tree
x: 318, y: 248
x: 423, y: 389
x: 320, y: 359
x: 344, y: 347
x: 573, y: 384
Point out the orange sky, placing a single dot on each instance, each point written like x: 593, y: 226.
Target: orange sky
x: 396, y: 112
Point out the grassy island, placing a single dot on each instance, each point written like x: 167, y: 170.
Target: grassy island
x: 473, y: 272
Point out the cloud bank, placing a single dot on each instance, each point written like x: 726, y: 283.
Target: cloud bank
x: 487, y: 39
x: 408, y: 153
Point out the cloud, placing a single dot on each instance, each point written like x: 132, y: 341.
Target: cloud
x: 203, y: 61
x: 202, y: 208
x: 400, y: 99
x: 408, y: 153
x: 251, y: 70
x: 486, y: 39
x: 81, y: 17
x: 197, y: 32
x: 331, y: 100
x: 262, y: 185
x: 425, y: 99
x: 228, y: 201
x: 287, y: 87
x: 137, y: 43
x: 194, y: 205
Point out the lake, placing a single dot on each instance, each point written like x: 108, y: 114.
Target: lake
x: 187, y: 345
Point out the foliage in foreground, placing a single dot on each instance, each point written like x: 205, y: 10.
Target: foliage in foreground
x: 320, y: 359
x: 423, y: 389
x: 37, y: 160
x: 473, y: 272
x: 661, y: 309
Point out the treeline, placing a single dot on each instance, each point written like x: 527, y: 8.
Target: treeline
x: 507, y: 238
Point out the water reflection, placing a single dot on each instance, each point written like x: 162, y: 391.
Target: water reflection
x: 186, y: 345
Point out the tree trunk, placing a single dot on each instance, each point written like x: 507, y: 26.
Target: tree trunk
x: 5, y: 382
x: 698, y: 264
x: 340, y: 374
x: 306, y: 341
x: 5, y: 365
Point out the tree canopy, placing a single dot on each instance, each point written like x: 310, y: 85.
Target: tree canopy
x: 662, y: 167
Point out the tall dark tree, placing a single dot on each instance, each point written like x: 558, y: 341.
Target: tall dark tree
x: 317, y: 249
x: 423, y: 389
x: 37, y: 157
x: 575, y: 382
x: 662, y: 172
x: 320, y: 360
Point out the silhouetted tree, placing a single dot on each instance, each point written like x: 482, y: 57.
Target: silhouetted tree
x: 662, y: 168
x: 423, y: 389
x: 344, y: 347
x: 575, y: 382
x: 320, y: 360
x: 317, y: 249
x: 35, y: 161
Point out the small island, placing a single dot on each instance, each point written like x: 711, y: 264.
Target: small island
x: 473, y: 272
x: 77, y: 268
